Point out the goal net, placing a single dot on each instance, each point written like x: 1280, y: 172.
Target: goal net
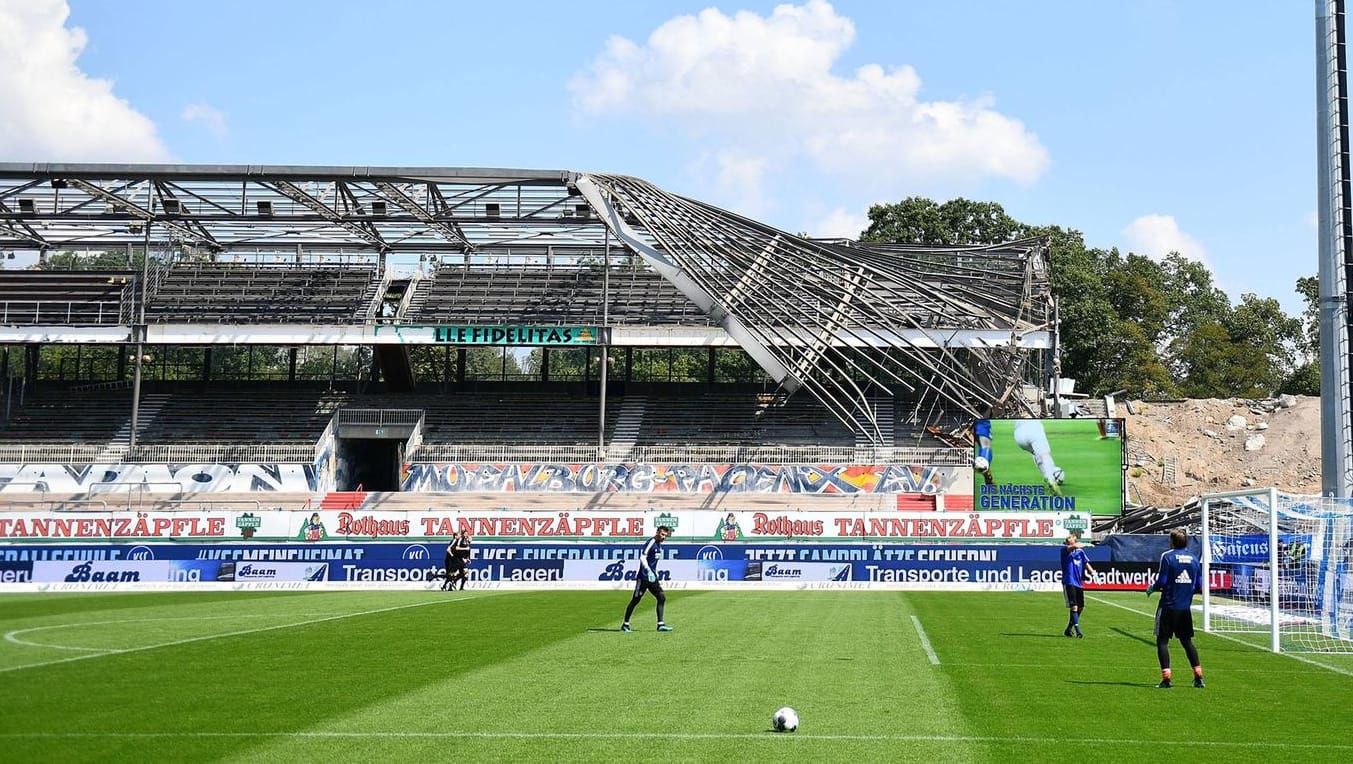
x: 1278, y: 567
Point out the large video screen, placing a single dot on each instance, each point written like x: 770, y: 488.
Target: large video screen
x: 1049, y: 464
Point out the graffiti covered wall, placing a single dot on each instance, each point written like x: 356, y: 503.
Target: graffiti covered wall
x: 157, y: 478
x: 684, y: 478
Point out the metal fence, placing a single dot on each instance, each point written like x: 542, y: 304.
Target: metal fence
x: 304, y: 453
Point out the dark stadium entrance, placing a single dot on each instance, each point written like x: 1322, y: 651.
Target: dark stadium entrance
x: 373, y: 463
x: 370, y: 446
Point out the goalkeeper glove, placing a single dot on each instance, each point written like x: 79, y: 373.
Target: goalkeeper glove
x: 1150, y: 590
x: 651, y: 576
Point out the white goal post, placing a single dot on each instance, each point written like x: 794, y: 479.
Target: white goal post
x: 1279, y: 567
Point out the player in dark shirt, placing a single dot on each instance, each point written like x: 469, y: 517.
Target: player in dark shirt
x: 1180, y: 577
x: 647, y: 579
x: 1075, y: 564
x: 461, y: 549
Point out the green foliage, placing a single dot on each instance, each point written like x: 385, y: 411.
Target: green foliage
x: 917, y: 220
x: 527, y: 676
x: 1152, y: 327
x: 1309, y: 289
x: 91, y: 261
x: 1305, y: 380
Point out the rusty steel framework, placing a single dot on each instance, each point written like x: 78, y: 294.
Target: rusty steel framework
x: 849, y: 323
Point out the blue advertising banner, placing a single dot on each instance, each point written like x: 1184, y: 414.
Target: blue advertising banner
x: 386, y: 563
x: 1293, y: 548
x: 16, y: 572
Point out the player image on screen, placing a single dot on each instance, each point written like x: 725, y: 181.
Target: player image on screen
x: 982, y: 462
x: 1047, y: 464
x: 1029, y: 435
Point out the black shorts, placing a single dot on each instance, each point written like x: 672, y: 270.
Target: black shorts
x: 1174, y: 623
x: 641, y: 586
x: 1074, y: 596
x: 454, y: 564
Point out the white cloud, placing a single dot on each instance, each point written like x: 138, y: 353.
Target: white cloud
x: 1158, y: 235
x: 764, y: 85
x: 738, y: 179
x: 52, y: 111
x: 208, y: 116
x: 839, y: 223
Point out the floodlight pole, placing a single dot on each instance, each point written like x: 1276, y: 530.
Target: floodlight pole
x: 1333, y: 179
x: 140, y: 332
x: 605, y: 348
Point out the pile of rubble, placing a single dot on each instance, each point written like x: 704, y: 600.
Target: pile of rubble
x: 1180, y: 449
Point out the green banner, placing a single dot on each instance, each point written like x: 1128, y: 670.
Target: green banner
x: 517, y: 335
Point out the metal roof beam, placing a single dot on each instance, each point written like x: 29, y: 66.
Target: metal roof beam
x: 291, y: 191
x: 138, y: 211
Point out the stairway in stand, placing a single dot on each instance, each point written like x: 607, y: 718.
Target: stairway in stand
x: 343, y: 500
x: 884, y: 414
x: 627, y: 424
x: 117, y: 446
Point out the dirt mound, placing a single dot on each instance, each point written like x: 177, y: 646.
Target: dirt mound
x: 1178, y: 450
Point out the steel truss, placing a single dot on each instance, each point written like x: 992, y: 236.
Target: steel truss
x: 950, y: 327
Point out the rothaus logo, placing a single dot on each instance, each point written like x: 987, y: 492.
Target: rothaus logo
x: 709, y: 552
x: 417, y: 552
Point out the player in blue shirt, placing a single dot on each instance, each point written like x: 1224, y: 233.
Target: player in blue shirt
x: 1075, y: 564
x: 647, y: 580
x: 1180, y: 577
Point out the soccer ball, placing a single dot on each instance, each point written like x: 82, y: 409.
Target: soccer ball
x: 785, y: 720
x: 980, y: 464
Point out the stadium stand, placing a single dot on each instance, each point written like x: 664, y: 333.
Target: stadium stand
x: 70, y: 298
x: 555, y: 295
x: 257, y: 416
x: 56, y: 415
x: 716, y: 418
x: 263, y: 294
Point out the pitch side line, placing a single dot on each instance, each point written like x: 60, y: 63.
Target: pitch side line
x: 925, y: 641
x: 242, y: 632
x: 1293, y: 656
x: 255, y: 735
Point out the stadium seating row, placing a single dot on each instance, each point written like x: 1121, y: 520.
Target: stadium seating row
x: 278, y: 416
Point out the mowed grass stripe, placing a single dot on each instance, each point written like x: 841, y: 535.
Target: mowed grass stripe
x: 1255, y: 640
x: 702, y: 692
x: 298, y: 676
x: 13, y: 636
x: 1054, y: 683
x: 546, y: 676
x: 683, y: 736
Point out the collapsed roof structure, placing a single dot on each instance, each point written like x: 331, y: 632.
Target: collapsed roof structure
x: 966, y: 328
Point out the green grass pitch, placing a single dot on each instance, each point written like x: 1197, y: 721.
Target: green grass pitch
x: 1093, y: 467
x: 547, y: 676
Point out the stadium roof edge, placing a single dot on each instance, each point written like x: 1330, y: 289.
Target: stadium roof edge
x: 94, y: 170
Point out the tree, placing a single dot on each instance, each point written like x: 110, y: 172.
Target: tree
x: 1305, y: 378
x: 491, y: 363
x: 917, y: 220
x: 1153, y: 327
x: 91, y: 261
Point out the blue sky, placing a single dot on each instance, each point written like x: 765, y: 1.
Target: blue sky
x: 1149, y: 126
